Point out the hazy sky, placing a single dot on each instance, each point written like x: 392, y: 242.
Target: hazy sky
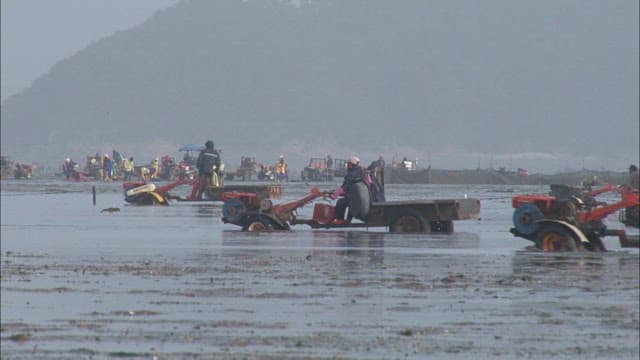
x: 38, y: 33
x: 545, y: 81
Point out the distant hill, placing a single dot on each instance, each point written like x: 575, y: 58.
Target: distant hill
x: 263, y: 78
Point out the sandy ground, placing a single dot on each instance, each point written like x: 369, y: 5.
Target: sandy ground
x: 80, y: 284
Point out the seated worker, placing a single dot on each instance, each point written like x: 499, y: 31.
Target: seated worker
x: 355, y: 174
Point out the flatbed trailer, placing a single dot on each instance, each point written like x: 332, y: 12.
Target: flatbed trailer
x: 413, y: 216
x: 417, y: 216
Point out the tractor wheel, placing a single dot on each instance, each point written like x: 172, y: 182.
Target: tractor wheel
x: 409, y: 222
x: 259, y: 224
x: 555, y: 238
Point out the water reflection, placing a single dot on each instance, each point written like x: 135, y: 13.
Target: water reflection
x: 359, y: 248
x: 208, y: 209
x: 585, y: 268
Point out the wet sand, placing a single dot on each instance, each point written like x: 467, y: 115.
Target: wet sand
x: 173, y: 282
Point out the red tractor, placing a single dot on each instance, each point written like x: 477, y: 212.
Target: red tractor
x: 144, y: 193
x: 570, y: 218
x: 410, y: 216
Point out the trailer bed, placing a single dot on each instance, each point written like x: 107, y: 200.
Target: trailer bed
x: 412, y: 215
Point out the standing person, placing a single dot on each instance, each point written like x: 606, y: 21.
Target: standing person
x: 355, y: 174
x: 100, y: 166
x: 281, y: 169
x: 107, y: 168
x: 155, y: 168
x: 376, y: 169
x: 208, y: 162
x: 634, y: 177
x: 127, y: 167
x: 329, y: 162
x: 116, y: 159
x: 67, y: 167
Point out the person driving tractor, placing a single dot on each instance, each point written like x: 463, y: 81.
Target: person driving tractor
x: 355, y: 174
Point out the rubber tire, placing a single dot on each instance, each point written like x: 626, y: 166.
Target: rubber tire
x: 359, y: 200
x: 409, y: 221
x: 555, y: 238
x: 258, y: 224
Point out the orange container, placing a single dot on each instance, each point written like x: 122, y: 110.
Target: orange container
x: 323, y: 213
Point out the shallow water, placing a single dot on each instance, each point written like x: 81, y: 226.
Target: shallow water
x: 175, y: 282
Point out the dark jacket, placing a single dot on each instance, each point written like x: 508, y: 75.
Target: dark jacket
x: 377, y: 164
x: 354, y: 175
x: 206, y: 160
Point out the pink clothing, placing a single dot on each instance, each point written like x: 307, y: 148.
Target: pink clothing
x: 337, y: 193
x: 368, y: 180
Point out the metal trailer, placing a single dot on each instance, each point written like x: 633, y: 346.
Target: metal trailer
x: 414, y: 216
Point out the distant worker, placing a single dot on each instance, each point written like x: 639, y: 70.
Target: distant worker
x: 281, y: 169
x: 107, y: 168
x: 189, y: 159
x: 634, y: 177
x: 155, y: 169
x: 116, y: 159
x: 100, y: 166
x: 70, y: 170
x: 127, y: 168
x: 355, y: 174
x: 67, y: 167
x: 208, y: 164
x: 329, y: 162
x: 376, y: 170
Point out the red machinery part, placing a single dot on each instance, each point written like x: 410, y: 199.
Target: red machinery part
x: 285, y: 210
x: 245, y: 197
x: 542, y: 201
x: 323, y: 213
x: 629, y: 198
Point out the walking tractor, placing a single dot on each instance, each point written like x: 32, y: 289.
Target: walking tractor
x: 143, y: 193
x: 415, y: 216
x: 571, y: 219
